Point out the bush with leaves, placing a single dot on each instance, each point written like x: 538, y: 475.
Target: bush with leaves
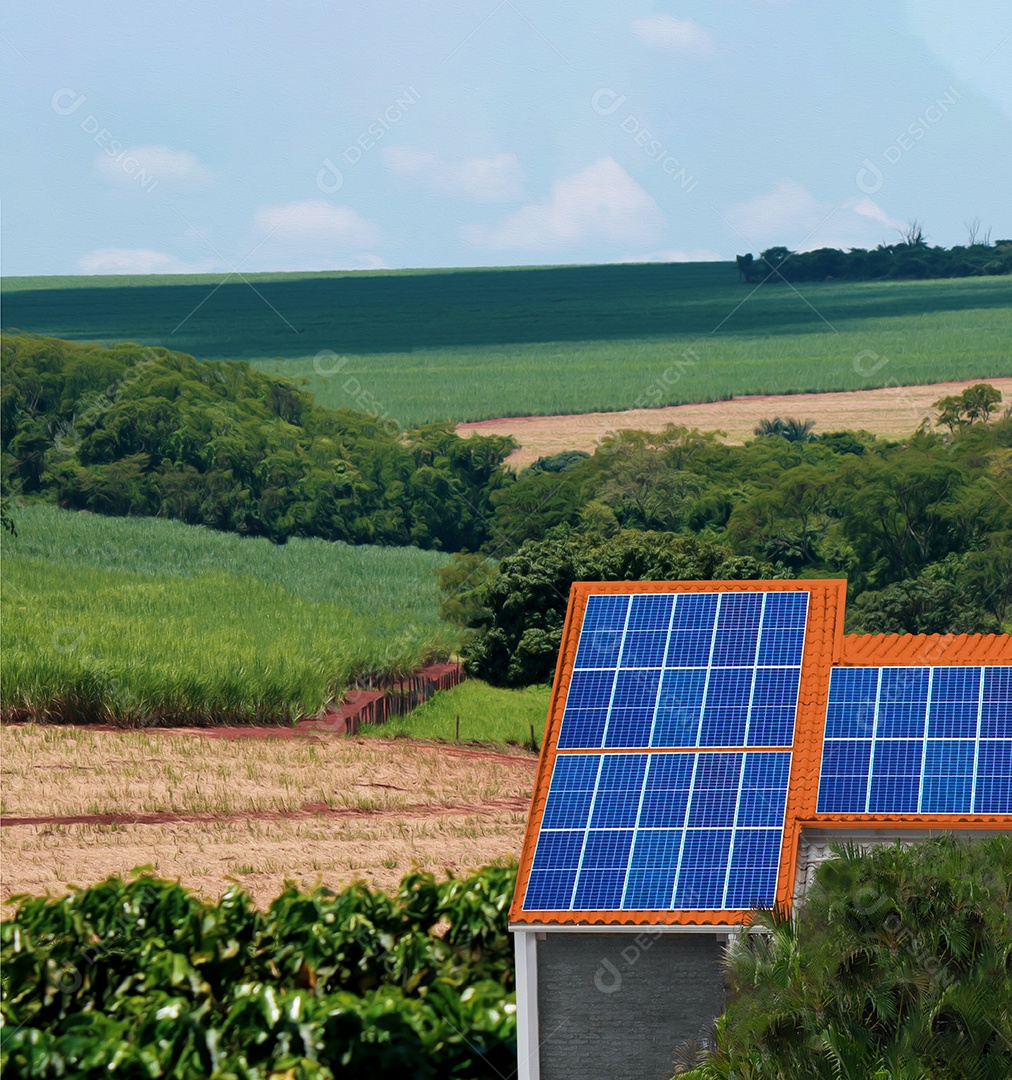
x: 897, y: 967
x: 792, y: 429
x: 961, y: 594
x: 142, y: 979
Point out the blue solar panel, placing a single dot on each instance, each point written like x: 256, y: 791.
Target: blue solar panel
x: 918, y: 740
x: 686, y: 670
x: 660, y: 831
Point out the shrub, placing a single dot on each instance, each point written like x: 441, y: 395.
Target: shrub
x: 143, y: 979
x: 897, y: 967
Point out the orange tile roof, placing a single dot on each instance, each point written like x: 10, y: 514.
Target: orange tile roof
x: 941, y: 650
x: 825, y: 647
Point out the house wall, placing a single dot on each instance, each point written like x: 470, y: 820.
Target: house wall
x: 612, y: 1006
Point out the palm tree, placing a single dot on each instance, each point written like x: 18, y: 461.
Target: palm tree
x: 792, y: 429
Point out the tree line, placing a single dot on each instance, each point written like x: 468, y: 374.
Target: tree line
x: 920, y: 527
x: 148, y: 431
x: 910, y: 257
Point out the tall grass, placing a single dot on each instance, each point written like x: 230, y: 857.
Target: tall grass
x: 157, y: 622
x: 473, y: 344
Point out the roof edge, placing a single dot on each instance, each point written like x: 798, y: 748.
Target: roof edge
x: 925, y: 650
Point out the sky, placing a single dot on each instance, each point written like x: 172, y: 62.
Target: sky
x: 268, y: 135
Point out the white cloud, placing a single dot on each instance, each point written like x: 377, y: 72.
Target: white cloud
x: 141, y: 164
x: 791, y: 215
x: 368, y: 261
x: 676, y: 255
x: 602, y: 202
x: 788, y: 207
x: 675, y: 35
x: 868, y: 208
x: 499, y: 178
x: 137, y: 261
x: 315, y: 222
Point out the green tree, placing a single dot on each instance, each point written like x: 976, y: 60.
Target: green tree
x: 925, y: 605
x: 792, y: 429
x: 524, y: 603
x: 894, y: 510
x: 527, y: 509
x: 988, y: 575
x: 786, y: 524
x: 975, y: 403
x: 774, y: 258
x: 898, y: 966
x: 980, y: 401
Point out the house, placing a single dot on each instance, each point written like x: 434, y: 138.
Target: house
x: 706, y: 743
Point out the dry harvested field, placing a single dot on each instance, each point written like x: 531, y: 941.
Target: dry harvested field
x: 78, y: 805
x: 892, y: 413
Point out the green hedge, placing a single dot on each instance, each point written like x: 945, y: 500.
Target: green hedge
x: 143, y: 979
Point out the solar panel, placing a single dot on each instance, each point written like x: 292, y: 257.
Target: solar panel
x: 702, y: 669
x: 918, y: 740
x: 660, y: 831
x: 663, y: 790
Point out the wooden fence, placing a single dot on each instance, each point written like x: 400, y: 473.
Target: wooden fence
x: 400, y: 697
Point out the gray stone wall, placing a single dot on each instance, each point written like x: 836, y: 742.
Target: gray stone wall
x: 618, y: 1006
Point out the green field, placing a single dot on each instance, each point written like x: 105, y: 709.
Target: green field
x: 151, y: 620
x: 473, y: 344
x: 486, y: 714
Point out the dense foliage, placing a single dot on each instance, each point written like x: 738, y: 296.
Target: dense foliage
x: 921, y: 529
x: 154, y: 622
x: 144, y: 980
x: 524, y: 603
x: 912, y: 257
x: 897, y: 967
x: 132, y: 430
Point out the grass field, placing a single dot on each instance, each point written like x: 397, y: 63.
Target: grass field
x: 260, y: 811
x: 474, y: 344
x: 149, y: 620
x: 486, y: 714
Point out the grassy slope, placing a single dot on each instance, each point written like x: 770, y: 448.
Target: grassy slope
x: 472, y: 344
x: 154, y: 617
x: 487, y: 714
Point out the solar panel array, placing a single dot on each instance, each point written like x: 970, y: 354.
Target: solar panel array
x: 918, y: 740
x: 686, y: 670
x: 697, y: 683
x: 661, y: 831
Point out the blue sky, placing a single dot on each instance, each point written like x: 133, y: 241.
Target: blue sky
x: 309, y: 136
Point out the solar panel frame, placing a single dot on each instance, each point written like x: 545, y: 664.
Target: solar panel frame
x: 938, y: 741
